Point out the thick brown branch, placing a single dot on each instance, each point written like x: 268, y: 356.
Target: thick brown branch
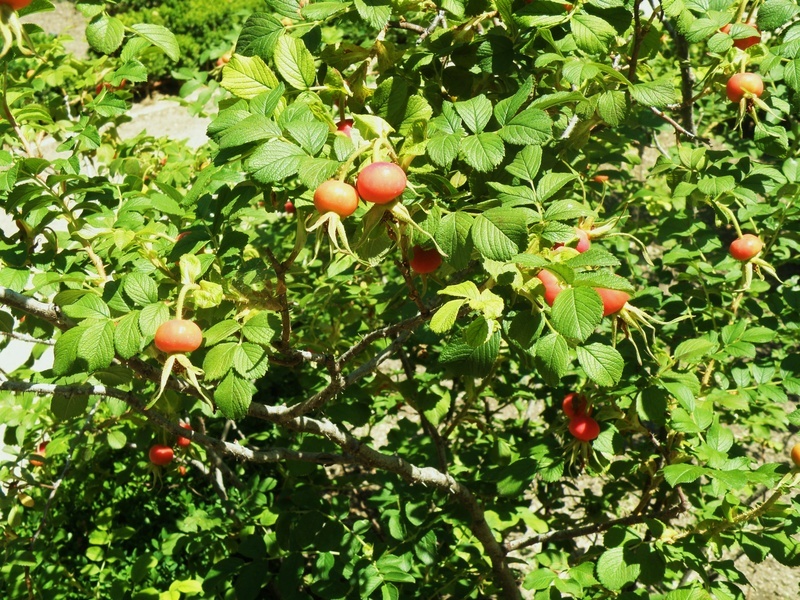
x: 235, y: 450
x: 47, y: 312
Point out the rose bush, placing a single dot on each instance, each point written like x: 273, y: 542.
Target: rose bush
x: 362, y: 432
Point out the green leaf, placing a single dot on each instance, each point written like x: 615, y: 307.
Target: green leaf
x: 294, y: 62
x: 88, y: 306
x: 251, y: 361
x: 453, y: 238
x: 443, y: 148
x: 552, y: 358
x: 248, y: 77
x: 576, y: 313
x: 254, y: 128
x: 261, y: 328
x: 776, y: 13
x: 508, y: 107
x: 567, y: 210
x: 527, y: 163
x: 500, y: 233
x: 551, y: 183
x: 68, y: 407
x: 274, y: 160
x: 128, y: 339
x: 220, y: 331
x: 374, y: 12
x: 682, y: 473
x: 475, y: 112
x: 592, y: 34
x: 612, y: 106
x: 160, y: 37
x: 141, y: 289
x: 659, y: 93
x: 715, y: 186
x: 483, y: 151
x: 445, y: 318
x: 693, y: 351
x: 613, y: 569
x: 233, y: 396
x: 105, y: 34
x: 116, y: 439
x: 602, y: 364
x: 96, y: 346
x: 259, y: 36
x: 66, y: 350
x: 151, y: 317
x: 219, y: 360
x: 530, y: 127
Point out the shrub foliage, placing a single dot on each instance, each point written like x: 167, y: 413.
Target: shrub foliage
x: 363, y: 430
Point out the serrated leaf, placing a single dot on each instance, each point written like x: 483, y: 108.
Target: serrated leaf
x: 567, y: 210
x: 219, y: 360
x: 445, y: 318
x: 613, y: 570
x: 251, y: 361
x: 592, y: 34
x: 475, y: 112
x: 220, y: 331
x: 88, y: 306
x: 682, y: 473
x: 311, y: 135
x: 96, y: 345
x: 483, y: 152
x: 552, y: 358
x: 151, y: 317
x: 526, y: 164
x: 105, y: 34
x: 530, y: 127
x: 551, y: 183
x: 602, y: 364
x: 128, y: 339
x: 248, y: 77
x: 576, y: 313
x: 233, y: 396
x: 453, y: 238
x: 659, y: 93
x: 612, y: 107
x: 260, y: 329
x: 141, y: 289
x: 500, y: 233
x: 66, y: 350
x: 259, y: 35
x: 160, y: 37
x: 274, y: 160
x: 294, y: 62
x: 374, y: 12
x: 693, y: 351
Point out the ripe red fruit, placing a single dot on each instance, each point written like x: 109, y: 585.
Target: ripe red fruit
x: 41, y: 452
x: 224, y: 59
x: 613, y: 300
x: 289, y: 207
x: 336, y: 196
x: 743, y: 83
x: 381, y: 182
x: 425, y: 261
x: 183, y: 442
x: 178, y: 335
x: 552, y: 286
x: 584, y: 243
x: 743, y: 43
x: 345, y: 126
x: 796, y: 454
x: 746, y: 247
x: 584, y: 428
x: 575, y: 405
x: 161, y: 455
x: 600, y: 178
x: 16, y: 4
x: 182, y: 471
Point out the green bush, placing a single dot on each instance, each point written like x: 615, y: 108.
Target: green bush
x: 205, y: 29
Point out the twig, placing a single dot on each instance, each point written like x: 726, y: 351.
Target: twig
x: 678, y: 128
x: 439, y: 18
x: 286, y: 319
x: 406, y: 25
x: 385, y: 332
x: 26, y: 338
